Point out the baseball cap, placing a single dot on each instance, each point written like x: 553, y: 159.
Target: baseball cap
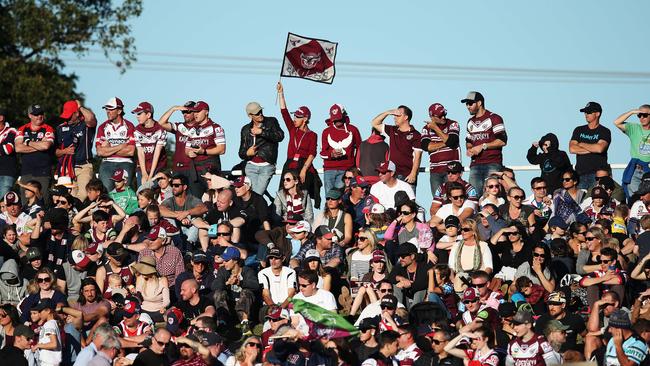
x: 599, y: 192
x: 620, y: 319
x: 378, y: 256
x: 25, y: 331
x: 323, y: 232
x: 230, y: 253
x: 452, y: 221
x: 35, y: 109
x: 119, y: 175
x: 437, y: 110
x: 377, y: 208
x: 274, y: 253
x: 240, y: 181
x: 337, y: 113
x: 359, y: 181
x: 157, y: 232
x: 406, y: 249
x: 189, y: 104
x: 143, y: 107
x: 301, y: 226
x: 473, y: 96
x: 302, y: 112
x: 44, y: 304
x: 200, y: 257
x: 199, y: 106
x: 507, y: 309
x: 115, y: 250
x: 80, y: 259
x: 131, y: 308
x: 455, y: 167
x: 33, y: 253
x: 388, y: 301
x: 209, y: 338
x: 557, y: 221
x: 113, y: 103
x: 94, y: 248
x: 312, y: 253
x: 174, y: 319
x: 11, y: 198
x: 387, y: 166
x: 69, y: 108
x: 293, y: 218
x: 592, y: 107
x: 523, y: 317
x: 470, y: 294
x: 369, y: 323
x: 253, y: 108
x: 333, y: 193
x: 555, y: 326
x: 556, y: 298
x: 65, y: 181
x: 606, y: 182
x: 277, y: 312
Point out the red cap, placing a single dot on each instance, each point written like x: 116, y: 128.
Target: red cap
x: 386, y: 166
x: 437, y: 110
x: 119, y: 175
x: 157, y: 232
x: 94, y: 248
x: 302, y: 112
x: 143, y: 107
x: 69, y: 108
x: 11, y: 198
x: 80, y: 259
x: 200, y: 105
x: 241, y: 180
x: 337, y: 113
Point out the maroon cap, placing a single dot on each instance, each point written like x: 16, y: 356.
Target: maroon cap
x: 437, y: 110
x: 386, y: 166
x: 94, y: 248
x: 143, y: 107
x: 114, y: 103
x: 240, y: 181
x: 200, y: 105
x: 302, y: 112
x: 11, y: 198
x: 378, y: 256
x: 359, y: 181
x: 69, y: 108
x: 470, y: 294
x: 119, y: 175
x: 337, y: 113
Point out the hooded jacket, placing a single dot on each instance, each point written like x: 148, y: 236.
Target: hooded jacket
x: 12, y: 288
x: 372, y: 152
x: 552, y: 163
x: 345, y: 138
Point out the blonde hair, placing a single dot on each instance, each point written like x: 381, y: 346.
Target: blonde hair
x: 240, y: 354
x: 80, y: 243
x: 472, y: 224
x: 115, y: 280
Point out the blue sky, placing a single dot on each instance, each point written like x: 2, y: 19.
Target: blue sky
x: 551, y: 35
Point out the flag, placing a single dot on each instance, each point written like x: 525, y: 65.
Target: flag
x: 309, y: 58
x: 323, y: 323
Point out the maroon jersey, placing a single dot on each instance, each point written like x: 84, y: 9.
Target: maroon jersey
x: 116, y: 134
x: 125, y: 273
x: 302, y: 144
x: 402, y: 147
x: 148, y: 138
x: 483, y: 130
x: 207, y: 135
x: 529, y: 353
x: 439, y: 159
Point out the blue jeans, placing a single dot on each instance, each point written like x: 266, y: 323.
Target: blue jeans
x: 6, y: 184
x: 260, y: 176
x: 72, y: 346
x: 333, y: 179
x: 587, y: 180
x: 635, y: 181
x: 478, y: 174
x: 106, y: 169
x: 436, y: 180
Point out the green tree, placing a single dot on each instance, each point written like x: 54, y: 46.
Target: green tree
x: 34, y: 33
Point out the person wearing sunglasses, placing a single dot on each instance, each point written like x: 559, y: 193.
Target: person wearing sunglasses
x: 481, y: 347
x: 608, y: 277
x: 567, y: 200
x: 439, y: 338
x: 248, y: 354
x: 513, y: 247
x: 47, y: 289
x: 469, y: 254
x: 375, y: 308
x: 589, y: 256
x: 590, y: 142
x: 454, y: 175
x: 410, y: 277
x: 156, y: 353
x: 292, y: 198
x: 537, y: 267
x: 515, y: 211
x: 459, y: 206
x: 486, y: 137
x: 491, y: 192
x: 551, y: 160
x: 406, y: 228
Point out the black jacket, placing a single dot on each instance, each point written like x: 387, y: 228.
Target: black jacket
x: 266, y: 142
x: 552, y: 164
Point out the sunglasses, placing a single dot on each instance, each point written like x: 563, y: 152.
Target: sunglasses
x: 386, y: 291
x: 538, y: 255
x: 362, y: 238
x: 436, y: 342
x: 606, y: 261
x: 582, y: 232
x: 224, y: 234
x: 538, y: 188
x: 493, y: 186
x: 302, y: 285
x: 347, y: 178
x: 458, y: 197
x: 331, y: 199
x: 567, y: 179
x: 467, y: 302
x: 590, y: 238
x: 256, y: 114
x: 60, y: 202
x: 405, y: 255
x: 384, y: 307
x: 479, y: 285
x: 643, y: 115
x: 3, y: 315
x: 105, y: 207
x: 466, y: 229
x: 164, y: 344
x: 513, y: 234
x: 405, y: 213
x: 517, y: 198
x: 470, y: 103
x: 176, y: 185
x: 43, y: 279
x: 288, y: 179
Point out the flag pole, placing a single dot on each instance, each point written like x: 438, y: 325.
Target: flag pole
x: 277, y: 94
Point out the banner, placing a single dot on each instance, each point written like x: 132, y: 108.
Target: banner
x: 309, y: 58
x: 323, y: 322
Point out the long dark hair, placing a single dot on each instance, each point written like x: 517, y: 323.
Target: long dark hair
x: 12, y: 313
x: 547, y: 255
x: 296, y: 178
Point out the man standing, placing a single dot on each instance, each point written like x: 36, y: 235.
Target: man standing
x: 8, y: 162
x: 404, y: 148
x: 340, y: 142
x: 388, y: 347
x: 639, y: 135
x: 33, y: 142
x: 259, y: 146
x: 115, y: 143
x: 74, y: 145
x: 199, y: 143
x: 440, y: 137
x: 409, y: 352
x: 590, y: 143
x: 388, y: 185
x: 486, y: 137
x: 528, y: 348
x: 150, y: 141
x: 14, y: 354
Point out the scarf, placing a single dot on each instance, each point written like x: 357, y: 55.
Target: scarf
x: 478, y: 257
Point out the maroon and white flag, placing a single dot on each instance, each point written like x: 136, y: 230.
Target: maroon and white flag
x: 309, y: 58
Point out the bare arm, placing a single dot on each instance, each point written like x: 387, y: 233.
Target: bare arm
x: 378, y: 122
x: 575, y: 148
x: 89, y: 116
x: 164, y: 119
x: 596, y: 148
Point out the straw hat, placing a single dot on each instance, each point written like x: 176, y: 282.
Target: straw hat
x: 146, y: 265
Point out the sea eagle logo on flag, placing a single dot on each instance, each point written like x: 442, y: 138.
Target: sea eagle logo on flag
x: 309, y: 58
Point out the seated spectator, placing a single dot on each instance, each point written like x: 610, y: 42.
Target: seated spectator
x: 131, y: 330
x: 368, y: 289
x: 557, y: 311
x: 408, y: 229
x: 152, y: 288
x: 254, y: 208
x: 608, y: 277
x: 330, y: 255
x: 13, y: 215
x: 516, y: 211
x: 537, y: 267
x: 312, y: 262
x: 281, y: 237
x: 446, y: 242
x: 491, y: 193
x: 46, y: 288
x: 469, y: 254
x: 535, y: 295
x: 155, y: 354
x: 598, y: 203
x: 122, y: 194
x: 567, y: 199
x: 146, y: 197
x: 115, y: 262
x: 9, y: 320
x: 192, y: 304
x: 13, y: 288
x: 359, y: 259
x: 454, y: 174
x: 292, y: 199
x: 459, y: 207
x: 199, y: 269
x: 223, y: 210
x: 377, y: 220
x: 336, y: 219
x: 481, y: 347
x: 103, y: 203
x: 388, y: 185
x: 169, y: 260
x: 278, y: 282
x: 624, y: 347
x: 249, y: 353
x: 410, y: 277
x: 358, y: 199
x: 183, y: 207
x: 307, y: 281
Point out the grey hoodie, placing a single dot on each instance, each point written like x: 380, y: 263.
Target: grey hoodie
x: 13, y: 289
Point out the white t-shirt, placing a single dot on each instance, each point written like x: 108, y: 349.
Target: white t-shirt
x: 638, y: 210
x: 322, y: 298
x: 448, y: 210
x: 49, y: 357
x: 386, y: 194
x: 278, y: 285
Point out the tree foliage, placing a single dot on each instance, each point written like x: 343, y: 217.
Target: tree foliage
x: 34, y: 34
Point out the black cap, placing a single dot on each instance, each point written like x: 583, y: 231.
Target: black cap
x: 189, y: 104
x: 455, y: 167
x: 507, y: 309
x: 405, y: 249
x: 389, y: 301
x: 592, y: 107
x: 116, y: 250
x: 473, y: 96
x: 369, y: 323
x: 452, y: 220
x: 322, y: 231
x: 44, y: 304
x: 35, y: 109
x: 274, y: 253
x: 606, y: 182
x: 200, y: 257
x: 293, y: 218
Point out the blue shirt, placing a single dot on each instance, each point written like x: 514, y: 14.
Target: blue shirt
x: 634, y: 348
x: 81, y: 136
x: 86, y: 354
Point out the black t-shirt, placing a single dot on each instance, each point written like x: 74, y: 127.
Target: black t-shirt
x: 589, y: 163
x: 13, y: 356
x: 433, y: 360
x: 215, y: 216
x: 150, y: 358
x: 192, y: 311
x: 255, y: 211
x: 576, y: 326
x: 420, y: 278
